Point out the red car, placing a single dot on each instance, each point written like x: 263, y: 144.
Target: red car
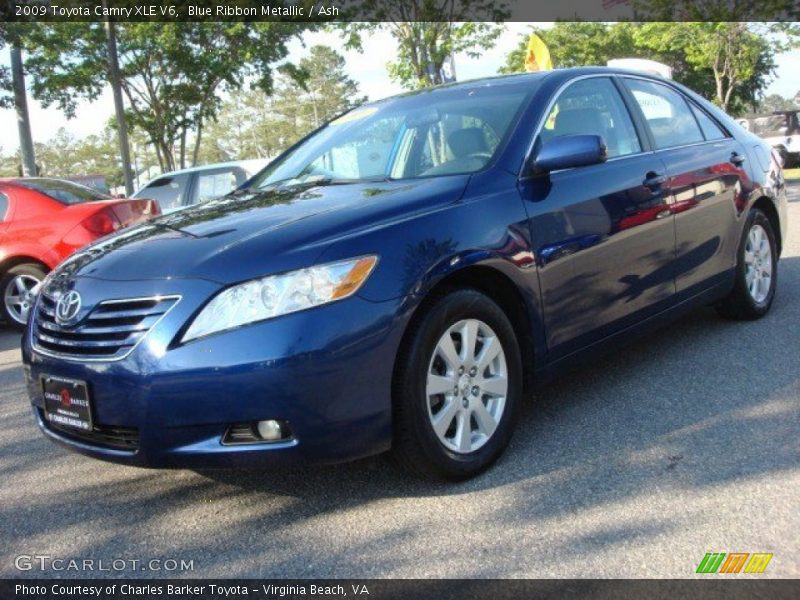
x: 42, y: 222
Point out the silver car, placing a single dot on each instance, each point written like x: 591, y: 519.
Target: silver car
x: 178, y: 189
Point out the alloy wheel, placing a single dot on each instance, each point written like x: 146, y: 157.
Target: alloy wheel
x: 467, y: 385
x: 18, y: 297
x: 758, y: 263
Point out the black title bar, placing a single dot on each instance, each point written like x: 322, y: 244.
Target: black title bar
x: 710, y: 587
x: 398, y: 10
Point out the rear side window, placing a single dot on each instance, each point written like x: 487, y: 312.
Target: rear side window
x: 593, y: 107
x: 710, y: 128
x: 65, y: 192
x: 3, y: 206
x: 169, y: 192
x: 670, y: 119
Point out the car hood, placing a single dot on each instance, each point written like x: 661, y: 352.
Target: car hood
x: 236, y: 238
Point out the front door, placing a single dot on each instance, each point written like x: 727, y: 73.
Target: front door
x: 603, y: 234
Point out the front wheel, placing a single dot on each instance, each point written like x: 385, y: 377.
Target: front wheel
x: 756, y: 271
x: 16, y: 287
x: 457, y: 388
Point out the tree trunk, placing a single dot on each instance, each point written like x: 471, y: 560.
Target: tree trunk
x: 119, y: 108
x: 183, y: 147
x: 169, y: 155
x: 21, y: 105
x: 159, y: 157
x: 197, y: 143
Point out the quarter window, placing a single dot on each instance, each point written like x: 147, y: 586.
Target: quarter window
x: 593, y: 107
x: 710, y: 129
x: 3, y: 206
x: 670, y: 119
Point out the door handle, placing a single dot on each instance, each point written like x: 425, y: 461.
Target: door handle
x: 738, y: 159
x: 654, y: 180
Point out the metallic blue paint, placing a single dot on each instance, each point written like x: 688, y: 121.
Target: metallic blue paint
x: 595, y: 253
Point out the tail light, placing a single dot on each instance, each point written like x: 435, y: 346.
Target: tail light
x: 102, y: 222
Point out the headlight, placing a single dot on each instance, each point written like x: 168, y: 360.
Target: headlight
x: 278, y: 295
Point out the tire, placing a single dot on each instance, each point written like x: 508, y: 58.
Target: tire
x: 456, y: 453
x: 743, y: 302
x: 11, y: 284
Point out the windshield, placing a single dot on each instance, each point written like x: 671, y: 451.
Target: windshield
x: 440, y: 132
x: 65, y: 192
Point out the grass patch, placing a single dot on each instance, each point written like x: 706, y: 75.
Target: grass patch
x: 791, y: 173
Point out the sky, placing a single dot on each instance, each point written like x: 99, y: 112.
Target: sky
x: 367, y: 68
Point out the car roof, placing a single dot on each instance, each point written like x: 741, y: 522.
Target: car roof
x: 21, y: 181
x: 514, y: 78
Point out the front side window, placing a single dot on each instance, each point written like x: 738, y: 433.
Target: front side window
x: 167, y: 191
x: 434, y: 132
x: 593, y: 107
x: 65, y: 192
x: 670, y: 119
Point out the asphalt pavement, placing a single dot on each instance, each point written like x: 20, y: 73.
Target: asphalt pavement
x: 683, y: 443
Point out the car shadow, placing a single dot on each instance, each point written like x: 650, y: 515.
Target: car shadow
x: 9, y: 338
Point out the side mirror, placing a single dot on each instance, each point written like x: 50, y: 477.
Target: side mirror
x: 569, y: 151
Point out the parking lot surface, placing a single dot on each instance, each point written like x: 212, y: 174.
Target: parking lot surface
x: 685, y: 442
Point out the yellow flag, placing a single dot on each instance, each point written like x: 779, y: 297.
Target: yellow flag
x: 538, y: 56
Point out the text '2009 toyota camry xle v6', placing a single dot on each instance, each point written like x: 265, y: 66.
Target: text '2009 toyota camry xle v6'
x: 400, y: 278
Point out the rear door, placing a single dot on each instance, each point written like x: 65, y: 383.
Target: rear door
x: 705, y: 166
x: 603, y: 234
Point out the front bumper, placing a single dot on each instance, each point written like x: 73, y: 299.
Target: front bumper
x: 326, y: 371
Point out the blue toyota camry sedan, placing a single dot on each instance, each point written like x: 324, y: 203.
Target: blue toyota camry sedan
x: 400, y: 279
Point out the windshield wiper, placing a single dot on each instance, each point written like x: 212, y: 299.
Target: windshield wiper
x: 346, y: 181
x: 245, y: 191
x: 322, y: 181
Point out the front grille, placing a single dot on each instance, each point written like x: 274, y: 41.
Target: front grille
x: 109, y: 332
x: 118, y: 438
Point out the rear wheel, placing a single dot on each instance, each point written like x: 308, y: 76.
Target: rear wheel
x: 756, y: 271
x: 16, y: 287
x: 457, y: 388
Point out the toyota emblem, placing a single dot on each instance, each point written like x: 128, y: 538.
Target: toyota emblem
x: 68, y: 307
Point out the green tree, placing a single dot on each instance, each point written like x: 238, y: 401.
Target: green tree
x: 326, y: 90
x: 6, y: 90
x: 772, y: 103
x: 576, y: 44
x: 64, y: 155
x: 172, y: 74
x: 728, y: 62
x: 424, y: 40
x: 10, y: 165
x: 252, y: 124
